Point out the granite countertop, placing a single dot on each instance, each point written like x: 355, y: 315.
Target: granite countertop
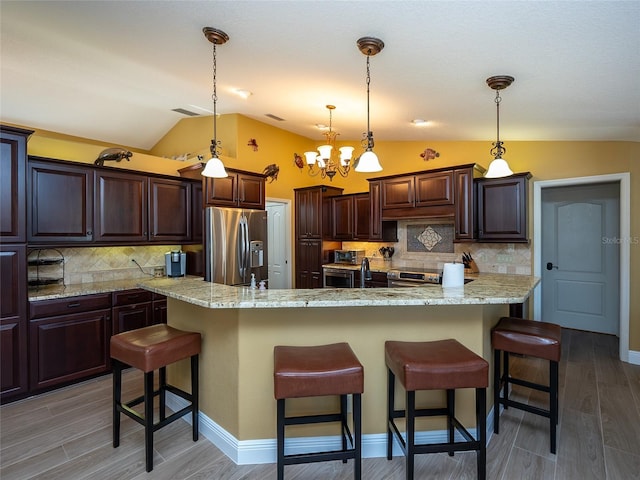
x: 487, y: 288
x: 51, y: 292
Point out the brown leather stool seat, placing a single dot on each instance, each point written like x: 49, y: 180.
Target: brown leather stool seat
x: 318, y: 371
x: 149, y: 349
x: 438, y: 365
x: 529, y: 338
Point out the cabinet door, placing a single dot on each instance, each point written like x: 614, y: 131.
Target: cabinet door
x: 398, y: 192
x: 61, y: 203
x: 309, y: 264
x: 159, y: 312
x: 375, y: 214
x: 197, y: 213
x: 169, y: 210
x: 221, y: 192
x: 68, y: 347
x: 342, y: 216
x: 309, y: 213
x: 13, y: 321
x: 131, y: 317
x: 121, y: 207
x: 502, y: 209
x: 464, y: 214
x: 13, y: 187
x: 361, y: 216
x: 251, y: 191
x: 434, y: 189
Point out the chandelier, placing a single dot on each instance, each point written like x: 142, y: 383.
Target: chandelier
x: 214, y: 167
x: 498, y: 167
x: 328, y: 166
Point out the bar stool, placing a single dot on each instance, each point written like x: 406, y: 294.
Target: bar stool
x: 148, y: 349
x: 438, y: 365
x: 531, y: 338
x: 312, y: 372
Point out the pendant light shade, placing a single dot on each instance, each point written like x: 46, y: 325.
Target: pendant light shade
x: 368, y: 161
x: 498, y: 167
x: 214, y: 167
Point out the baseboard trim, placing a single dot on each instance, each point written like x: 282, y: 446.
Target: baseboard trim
x: 634, y: 357
x: 251, y: 452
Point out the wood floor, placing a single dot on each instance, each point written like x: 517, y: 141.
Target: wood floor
x: 66, y: 434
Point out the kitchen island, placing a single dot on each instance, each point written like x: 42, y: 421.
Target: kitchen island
x: 240, y: 327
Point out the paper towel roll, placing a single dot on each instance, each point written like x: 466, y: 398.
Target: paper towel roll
x: 453, y: 275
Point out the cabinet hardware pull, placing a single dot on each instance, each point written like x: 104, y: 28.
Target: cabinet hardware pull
x: 72, y: 305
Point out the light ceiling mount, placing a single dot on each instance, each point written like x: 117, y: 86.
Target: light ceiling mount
x: 498, y: 167
x: 368, y: 161
x: 214, y: 167
x: 327, y: 166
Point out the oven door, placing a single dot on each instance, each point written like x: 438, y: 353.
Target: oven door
x: 337, y: 278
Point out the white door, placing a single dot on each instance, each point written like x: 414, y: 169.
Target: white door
x: 278, y: 230
x: 581, y: 256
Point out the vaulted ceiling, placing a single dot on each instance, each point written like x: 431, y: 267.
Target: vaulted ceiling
x: 113, y: 71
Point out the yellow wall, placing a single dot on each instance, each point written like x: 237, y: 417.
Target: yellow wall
x: 545, y: 160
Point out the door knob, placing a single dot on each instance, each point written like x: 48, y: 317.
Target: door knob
x: 551, y: 265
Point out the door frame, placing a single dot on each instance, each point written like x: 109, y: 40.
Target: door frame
x: 624, y: 180
x: 287, y: 234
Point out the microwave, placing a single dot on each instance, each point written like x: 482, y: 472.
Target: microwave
x: 352, y: 257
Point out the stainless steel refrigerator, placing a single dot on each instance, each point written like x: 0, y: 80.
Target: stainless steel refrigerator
x: 235, y: 245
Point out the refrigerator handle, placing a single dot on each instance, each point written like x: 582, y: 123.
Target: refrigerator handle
x: 240, y: 249
x: 246, y: 247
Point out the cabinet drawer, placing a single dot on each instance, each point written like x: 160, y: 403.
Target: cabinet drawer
x: 64, y: 306
x: 128, y: 297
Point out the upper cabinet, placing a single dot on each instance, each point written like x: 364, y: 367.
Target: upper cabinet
x: 239, y: 189
x: 13, y: 164
x: 502, y: 208
x: 60, y: 202
x: 351, y: 217
x: 72, y: 203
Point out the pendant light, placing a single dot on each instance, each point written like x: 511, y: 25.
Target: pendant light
x: 368, y: 161
x: 214, y: 167
x: 498, y: 167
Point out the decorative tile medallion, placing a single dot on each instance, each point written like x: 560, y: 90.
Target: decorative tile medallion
x: 435, y: 238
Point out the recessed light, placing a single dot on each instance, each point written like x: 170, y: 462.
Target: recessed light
x: 242, y: 93
x: 419, y: 122
x: 321, y: 126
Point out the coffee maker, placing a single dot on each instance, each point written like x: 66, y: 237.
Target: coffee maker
x: 175, y: 263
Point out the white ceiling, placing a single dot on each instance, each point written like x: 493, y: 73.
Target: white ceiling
x: 113, y: 70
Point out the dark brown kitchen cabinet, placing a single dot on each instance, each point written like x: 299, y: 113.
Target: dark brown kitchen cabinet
x: 387, y: 230
x: 197, y: 213
x: 121, y: 207
x: 464, y: 220
x: 434, y: 189
x: 132, y: 309
x: 169, y: 210
x: 502, y: 208
x: 13, y: 321
x: 239, y: 189
x: 313, y: 233
x: 60, y: 202
x: 350, y: 217
x: 13, y: 163
x: 68, y: 339
x: 159, y: 306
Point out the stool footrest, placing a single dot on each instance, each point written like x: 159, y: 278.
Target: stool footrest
x: 304, y: 419
x: 470, y: 441
x: 527, y: 408
x: 526, y: 383
x: 319, y: 457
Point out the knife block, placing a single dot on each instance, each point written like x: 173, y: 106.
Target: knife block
x: 472, y: 267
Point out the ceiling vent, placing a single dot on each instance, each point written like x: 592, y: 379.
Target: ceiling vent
x: 188, y: 113
x: 271, y: 115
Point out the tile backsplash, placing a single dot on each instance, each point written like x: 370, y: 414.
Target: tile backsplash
x: 416, y: 236
x: 98, y: 264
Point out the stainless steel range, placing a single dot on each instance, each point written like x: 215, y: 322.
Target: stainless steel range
x: 413, y: 277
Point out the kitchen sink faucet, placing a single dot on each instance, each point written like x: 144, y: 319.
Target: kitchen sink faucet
x: 365, y: 271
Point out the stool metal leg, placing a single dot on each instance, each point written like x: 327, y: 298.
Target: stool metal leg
x: 343, y: 421
x: 148, y: 419
x: 553, y: 403
x: 280, y: 438
x: 451, y: 414
x: 162, y: 390
x: 496, y: 391
x: 117, y: 394
x: 481, y: 431
x: 411, y: 432
x: 357, y: 439
x: 391, y: 380
x: 505, y: 375
x: 195, y: 392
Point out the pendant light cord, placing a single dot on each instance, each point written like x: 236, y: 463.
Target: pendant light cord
x: 498, y: 99
x: 214, y: 142
x: 369, y: 134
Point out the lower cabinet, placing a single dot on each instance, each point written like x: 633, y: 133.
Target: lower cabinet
x: 159, y: 306
x: 309, y: 264
x: 132, y: 309
x: 378, y: 280
x: 68, y: 339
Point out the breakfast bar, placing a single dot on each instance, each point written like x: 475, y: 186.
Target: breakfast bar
x: 240, y: 327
